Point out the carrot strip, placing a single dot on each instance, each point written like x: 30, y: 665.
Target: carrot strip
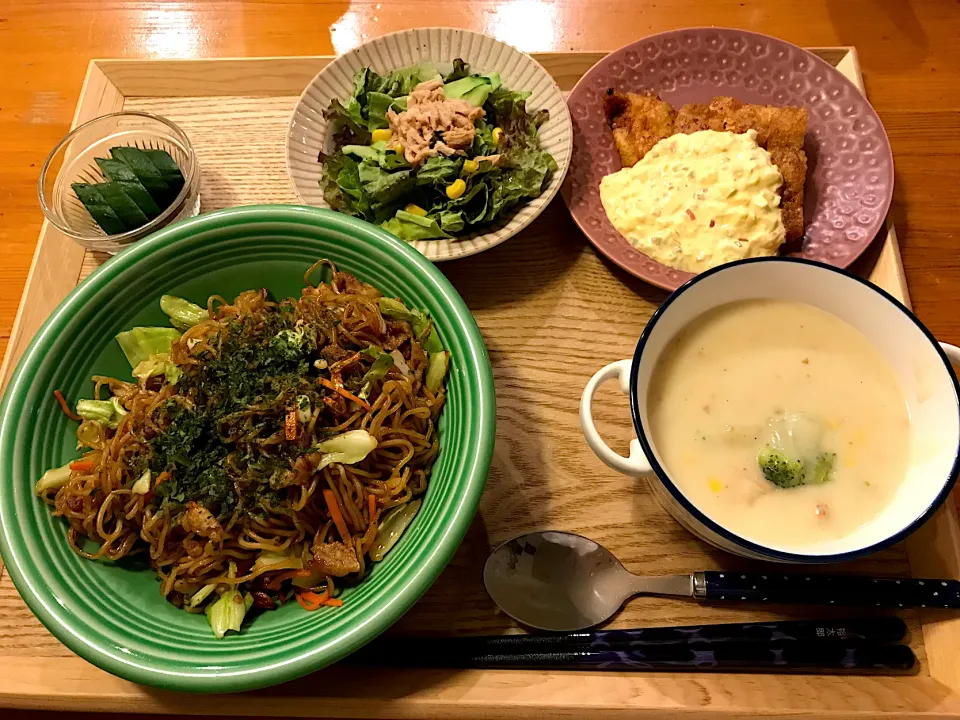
x: 162, y: 477
x: 372, y: 504
x: 312, y: 597
x: 333, y: 602
x: 334, y: 507
x: 346, y: 393
x: 290, y: 428
x: 66, y: 408
x: 274, y: 583
x: 82, y: 465
x: 310, y: 601
x: 309, y: 607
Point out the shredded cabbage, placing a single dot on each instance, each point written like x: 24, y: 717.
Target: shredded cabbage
x: 391, y: 528
x: 304, y: 408
x: 142, y: 485
x: 200, y: 595
x: 140, y: 343
x: 277, y: 561
x: 55, y: 478
x: 437, y: 370
x: 401, y: 364
x: 382, y: 363
x: 106, y: 412
x: 227, y: 612
x: 159, y: 364
x: 182, y: 313
x: 347, y: 448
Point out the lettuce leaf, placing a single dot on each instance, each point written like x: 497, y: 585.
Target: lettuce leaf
x: 473, y: 203
x: 439, y: 169
x: 384, y: 187
x: 508, y: 110
x: 483, y: 143
x: 461, y: 69
x: 451, y: 221
x: 377, y: 105
x: 348, y: 121
x: 341, y: 185
x: 527, y: 171
x: 377, y: 153
x: 408, y: 226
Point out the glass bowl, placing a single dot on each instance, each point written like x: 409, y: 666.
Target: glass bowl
x: 72, y: 160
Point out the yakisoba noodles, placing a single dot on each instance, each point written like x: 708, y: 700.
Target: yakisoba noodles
x: 269, y: 450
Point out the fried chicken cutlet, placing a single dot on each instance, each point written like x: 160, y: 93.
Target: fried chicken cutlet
x: 640, y: 121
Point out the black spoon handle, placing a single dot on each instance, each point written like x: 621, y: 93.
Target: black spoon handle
x: 827, y: 590
x: 729, y: 657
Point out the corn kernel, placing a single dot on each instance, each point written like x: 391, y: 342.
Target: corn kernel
x: 470, y: 166
x: 497, y: 135
x: 382, y: 135
x: 415, y: 210
x: 456, y: 189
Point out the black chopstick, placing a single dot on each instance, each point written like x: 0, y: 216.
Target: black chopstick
x: 800, y: 657
x: 888, y: 629
x: 858, y: 644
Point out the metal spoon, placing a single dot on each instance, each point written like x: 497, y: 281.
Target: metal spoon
x: 564, y: 582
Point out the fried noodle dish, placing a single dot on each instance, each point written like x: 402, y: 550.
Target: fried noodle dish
x: 264, y: 451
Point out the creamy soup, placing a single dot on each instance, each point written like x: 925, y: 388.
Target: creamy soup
x: 761, y: 379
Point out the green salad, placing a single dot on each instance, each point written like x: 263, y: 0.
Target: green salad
x: 429, y: 156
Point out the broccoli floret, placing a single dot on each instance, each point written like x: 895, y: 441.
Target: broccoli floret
x: 778, y: 468
x: 820, y: 472
x: 787, y: 472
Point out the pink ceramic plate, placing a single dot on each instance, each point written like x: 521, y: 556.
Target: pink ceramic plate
x: 850, y: 166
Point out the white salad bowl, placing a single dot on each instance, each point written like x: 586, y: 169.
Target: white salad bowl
x: 309, y: 132
x: 921, y: 365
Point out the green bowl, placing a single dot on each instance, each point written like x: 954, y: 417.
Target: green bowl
x: 111, y: 613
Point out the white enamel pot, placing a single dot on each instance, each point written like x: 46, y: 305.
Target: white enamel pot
x: 921, y: 364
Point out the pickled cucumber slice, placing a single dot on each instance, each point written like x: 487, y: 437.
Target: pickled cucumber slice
x: 146, y: 172
x: 126, y: 209
x: 168, y: 168
x: 119, y: 173
x: 98, y: 208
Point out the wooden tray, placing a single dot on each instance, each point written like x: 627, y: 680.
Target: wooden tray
x: 552, y: 313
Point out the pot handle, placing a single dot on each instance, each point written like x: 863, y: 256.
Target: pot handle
x: 952, y: 352
x: 636, y: 465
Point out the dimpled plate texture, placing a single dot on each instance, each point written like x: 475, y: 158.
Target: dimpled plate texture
x: 850, y: 166
x: 112, y: 614
x: 309, y: 131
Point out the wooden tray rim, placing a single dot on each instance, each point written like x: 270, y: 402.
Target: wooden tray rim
x: 70, y: 683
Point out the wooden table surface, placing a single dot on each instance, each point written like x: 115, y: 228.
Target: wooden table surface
x: 908, y: 51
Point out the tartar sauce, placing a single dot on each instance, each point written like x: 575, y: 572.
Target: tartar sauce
x: 699, y: 200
